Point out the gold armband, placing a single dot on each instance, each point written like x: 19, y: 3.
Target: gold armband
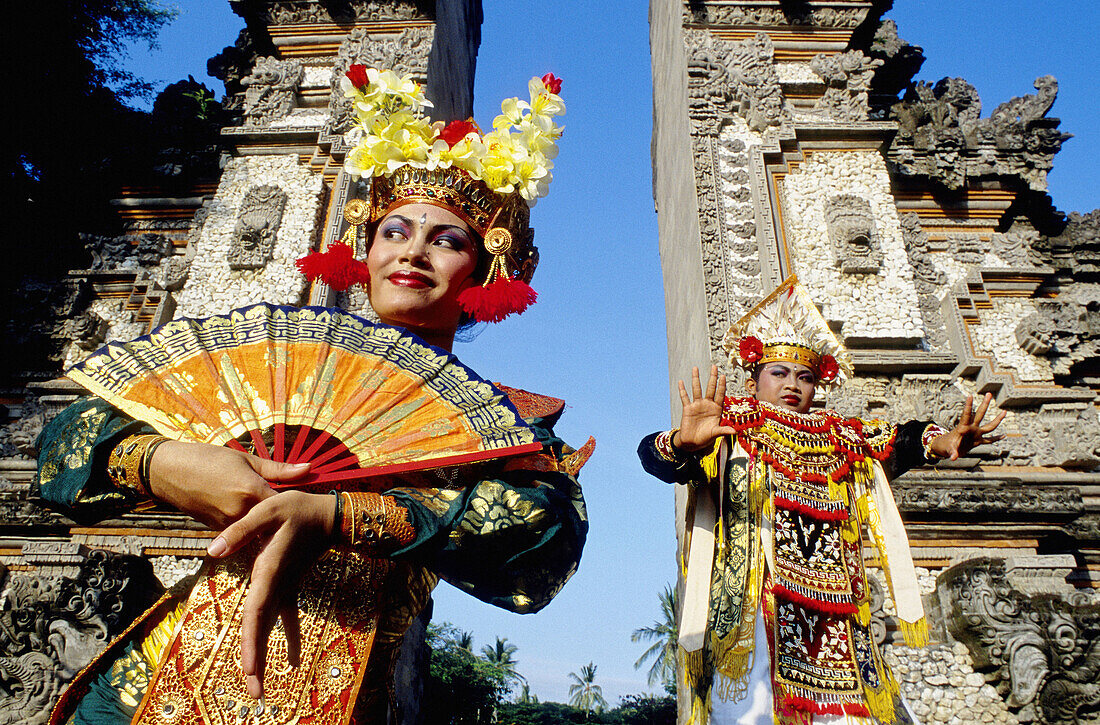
x: 931, y: 433
x: 128, y: 464
x: 374, y: 521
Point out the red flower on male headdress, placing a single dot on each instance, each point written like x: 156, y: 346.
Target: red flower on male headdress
x: 357, y: 74
x: 827, y: 369
x: 552, y: 83
x: 751, y: 349
x: 455, y: 131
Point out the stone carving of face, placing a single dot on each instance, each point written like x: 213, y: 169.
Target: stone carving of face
x: 851, y: 227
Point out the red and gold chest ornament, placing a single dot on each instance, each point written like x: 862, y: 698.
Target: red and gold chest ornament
x: 488, y: 179
x: 787, y: 327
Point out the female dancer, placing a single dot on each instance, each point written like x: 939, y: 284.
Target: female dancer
x: 346, y: 574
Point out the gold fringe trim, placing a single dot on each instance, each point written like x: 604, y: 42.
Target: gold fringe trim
x: 882, y: 702
x: 160, y: 636
x: 864, y: 614
x: 694, y: 667
x: 710, y: 463
x: 915, y: 633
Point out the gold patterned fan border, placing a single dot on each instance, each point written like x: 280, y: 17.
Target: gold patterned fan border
x: 333, y: 355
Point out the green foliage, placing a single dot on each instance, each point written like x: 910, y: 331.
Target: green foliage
x: 462, y: 688
x: 644, y: 710
x: 663, y: 634
x: 632, y: 710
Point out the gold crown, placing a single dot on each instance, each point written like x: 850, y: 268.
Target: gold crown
x: 786, y: 326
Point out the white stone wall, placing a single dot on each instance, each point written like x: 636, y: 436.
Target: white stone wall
x: 939, y: 685
x: 882, y: 305
x: 121, y: 326
x: 793, y: 72
x: 996, y: 336
x: 212, y: 287
x: 170, y: 569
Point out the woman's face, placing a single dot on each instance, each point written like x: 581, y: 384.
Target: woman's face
x: 786, y: 384
x: 420, y: 259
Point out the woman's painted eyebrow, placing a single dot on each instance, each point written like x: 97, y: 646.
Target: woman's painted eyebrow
x: 408, y: 222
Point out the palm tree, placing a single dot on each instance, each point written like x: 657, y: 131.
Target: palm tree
x: 584, y: 693
x: 501, y: 656
x: 525, y: 697
x: 663, y: 633
x: 463, y: 640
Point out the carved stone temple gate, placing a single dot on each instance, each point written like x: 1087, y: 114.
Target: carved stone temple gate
x: 789, y: 137
x: 228, y: 239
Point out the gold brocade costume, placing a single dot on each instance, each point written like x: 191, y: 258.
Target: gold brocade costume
x: 507, y: 531
x: 774, y: 521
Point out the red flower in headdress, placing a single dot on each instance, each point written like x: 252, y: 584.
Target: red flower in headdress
x: 455, y: 131
x: 827, y: 369
x: 552, y: 83
x: 751, y: 349
x: 357, y: 74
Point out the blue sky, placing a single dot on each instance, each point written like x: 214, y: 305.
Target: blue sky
x: 597, y: 335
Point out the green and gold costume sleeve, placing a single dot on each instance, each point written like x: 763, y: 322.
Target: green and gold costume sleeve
x: 72, y: 460
x: 508, y: 532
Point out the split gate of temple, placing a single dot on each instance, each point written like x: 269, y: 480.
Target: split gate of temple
x: 227, y: 239
x: 790, y: 138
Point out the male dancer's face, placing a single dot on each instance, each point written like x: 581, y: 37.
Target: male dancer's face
x: 789, y: 385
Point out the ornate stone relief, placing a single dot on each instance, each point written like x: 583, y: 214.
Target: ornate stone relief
x: 1044, y: 651
x: 1057, y: 434
x: 851, y: 226
x: 87, y: 330
x: 258, y: 222
x: 1077, y: 249
x: 940, y: 134
x: 270, y: 90
x: 739, y: 77
x: 289, y: 11
x: 126, y: 251
x: 404, y: 54
x: 927, y: 278
x: 971, y: 498
x: 912, y: 397
x: 847, y: 79
x: 17, y: 438
x: 900, y: 62
x: 715, y: 14
x: 50, y: 628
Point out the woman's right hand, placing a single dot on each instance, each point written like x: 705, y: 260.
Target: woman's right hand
x: 701, y: 419
x: 213, y: 484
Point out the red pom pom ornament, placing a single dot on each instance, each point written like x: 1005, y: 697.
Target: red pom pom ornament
x: 496, y: 300
x: 827, y: 369
x: 336, y: 266
x: 750, y: 349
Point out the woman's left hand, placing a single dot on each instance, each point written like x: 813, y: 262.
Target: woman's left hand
x: 969, y: 433
x: 294, y: 528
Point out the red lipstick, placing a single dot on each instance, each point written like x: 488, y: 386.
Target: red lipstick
x: 414, y: 280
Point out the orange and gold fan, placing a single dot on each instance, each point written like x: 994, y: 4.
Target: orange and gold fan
x: 309, y: 384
